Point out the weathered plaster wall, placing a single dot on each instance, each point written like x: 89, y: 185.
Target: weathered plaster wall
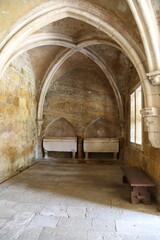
x: 17, y: 116
x: 147, y: 159
x: 11, y: 11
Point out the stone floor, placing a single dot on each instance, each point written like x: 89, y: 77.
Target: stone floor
x: 62, y: 201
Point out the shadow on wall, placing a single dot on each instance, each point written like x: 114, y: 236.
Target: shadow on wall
x: 100, y: 128
x: 60, y: 127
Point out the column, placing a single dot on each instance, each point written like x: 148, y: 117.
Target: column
x: 151, y: 115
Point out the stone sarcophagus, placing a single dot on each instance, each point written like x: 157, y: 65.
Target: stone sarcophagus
x: 60, y: 144
x: 99, y: 145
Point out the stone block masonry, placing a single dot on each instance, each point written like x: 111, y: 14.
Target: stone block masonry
x: 17, y: 116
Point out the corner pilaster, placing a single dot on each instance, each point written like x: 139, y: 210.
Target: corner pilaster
x: 154, y: 77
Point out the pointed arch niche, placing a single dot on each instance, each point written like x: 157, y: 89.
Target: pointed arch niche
x: 60, y: 136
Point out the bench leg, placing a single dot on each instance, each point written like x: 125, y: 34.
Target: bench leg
x: 140, y: 194
x: 86, y: 155
x: 125, y: 179
x: 45, y: 154
x: 115, y: 156
x: 73, y: 154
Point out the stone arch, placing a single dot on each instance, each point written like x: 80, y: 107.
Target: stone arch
x: 49, y: 39
x: 100, y: 128
x: 96, y: 16
x: 41, y: 39
x: 147, y: 24
x: 59, y: 127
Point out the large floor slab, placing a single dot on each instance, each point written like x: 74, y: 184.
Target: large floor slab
x: 63, y: 201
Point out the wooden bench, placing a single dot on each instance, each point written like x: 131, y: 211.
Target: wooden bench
x: 139, y: 182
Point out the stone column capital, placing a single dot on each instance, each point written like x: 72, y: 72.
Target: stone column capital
x: 40, y: 120
x: 154, y: 77
x: 150, y: 112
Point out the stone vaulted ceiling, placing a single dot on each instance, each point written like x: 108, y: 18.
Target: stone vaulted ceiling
x: 61, y: 46
x: 97, y: 52
x: 108, y: 51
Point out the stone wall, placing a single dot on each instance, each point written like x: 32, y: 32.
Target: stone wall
x: 81, y: 96
x: 147, y: 159
x: 60, y: 128
x: 17, y: 116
